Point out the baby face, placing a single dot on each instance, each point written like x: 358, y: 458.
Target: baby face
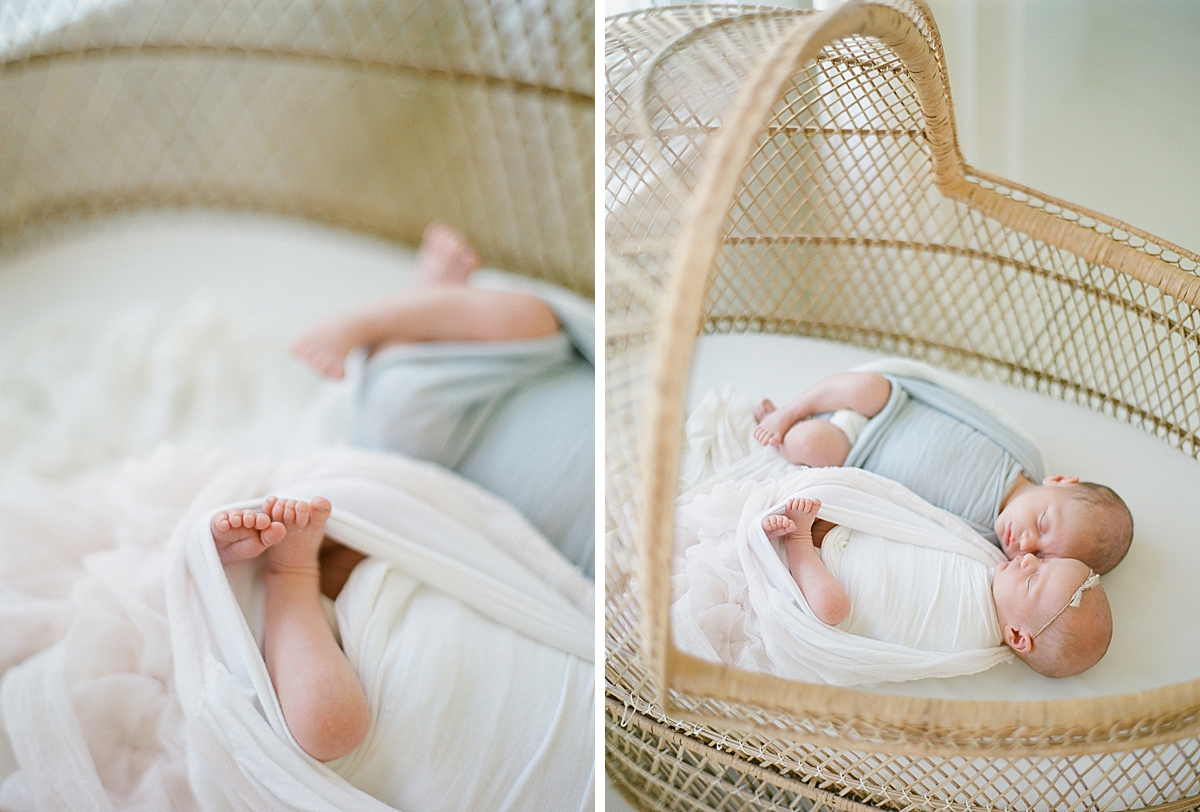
x: 1045, y: 520
x: 1029, y: 590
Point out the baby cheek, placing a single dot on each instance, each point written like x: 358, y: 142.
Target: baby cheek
x: 1005, y: 604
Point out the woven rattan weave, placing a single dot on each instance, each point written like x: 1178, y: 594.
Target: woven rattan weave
x: 377, y: 116
x: 778, y: 171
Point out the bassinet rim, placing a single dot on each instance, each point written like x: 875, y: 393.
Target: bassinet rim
x: 1019, y: 727
x: 39, y: 59
x: 946, y: 727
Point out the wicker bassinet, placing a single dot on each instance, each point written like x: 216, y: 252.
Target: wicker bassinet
x: 376, y: 116
x: 783, y: 172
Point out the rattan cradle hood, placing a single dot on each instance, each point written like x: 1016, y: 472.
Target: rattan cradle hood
x: 375, y: 116
x: 765, y: 169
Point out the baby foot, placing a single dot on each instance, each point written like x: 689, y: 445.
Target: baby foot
x: 325, y: 346
x: 764, y: 408
x: 303, y: 526
x: 772, y: 424
x: 803, y: 512
x: 445, y: 257
x: 243, y: 534
x: 776, y: 526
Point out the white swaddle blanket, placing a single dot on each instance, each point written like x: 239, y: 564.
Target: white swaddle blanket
x: 735, y: 601
x: 911, y: 595
x: 472, y: 637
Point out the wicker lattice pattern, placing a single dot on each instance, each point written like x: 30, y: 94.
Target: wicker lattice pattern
x: 375, y: 116
x: 662, y: 764
x: 654, y: 762
x: 756, y: 186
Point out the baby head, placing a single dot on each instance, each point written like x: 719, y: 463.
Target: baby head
x: 1066, y: 518
x: 1053, y: 613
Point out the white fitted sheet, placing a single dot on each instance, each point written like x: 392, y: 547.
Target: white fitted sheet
x: 1155, y: 613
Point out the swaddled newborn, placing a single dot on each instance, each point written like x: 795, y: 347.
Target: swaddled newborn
x: 895, y: 589
x: 1052, y: 612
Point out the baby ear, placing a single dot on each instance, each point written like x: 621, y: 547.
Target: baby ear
x: 1060, y: 479
x: 1017, y: 639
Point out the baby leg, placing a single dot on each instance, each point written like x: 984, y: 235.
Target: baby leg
x: 323, y: 702
x: 815, y: 442
x: 863, y: 392
x: 825, y: 594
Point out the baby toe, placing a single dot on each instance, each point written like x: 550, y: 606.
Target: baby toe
x: 273, y: 534
x: 321, y: 509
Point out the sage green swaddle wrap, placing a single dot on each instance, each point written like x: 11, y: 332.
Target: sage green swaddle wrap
x: 517, y: 417
x: 944, y: 446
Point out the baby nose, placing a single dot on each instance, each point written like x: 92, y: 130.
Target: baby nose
x: 1027, y: 543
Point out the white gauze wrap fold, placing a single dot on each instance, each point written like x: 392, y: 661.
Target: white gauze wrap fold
x: 735, y: 601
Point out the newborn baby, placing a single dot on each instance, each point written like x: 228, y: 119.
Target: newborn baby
x: 1051, y: 611
x: 949, y: 451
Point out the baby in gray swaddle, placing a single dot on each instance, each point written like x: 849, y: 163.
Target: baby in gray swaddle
x: 924, y: 437
x: 1051, y: 612
x: 493, y: 378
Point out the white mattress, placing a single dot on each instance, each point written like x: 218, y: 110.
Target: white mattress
x: 1155, y: 611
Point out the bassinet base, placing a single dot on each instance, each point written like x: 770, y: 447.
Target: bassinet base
x: 659, y: 767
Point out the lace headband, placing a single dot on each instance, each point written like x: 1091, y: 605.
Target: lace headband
x: 1088, y: 583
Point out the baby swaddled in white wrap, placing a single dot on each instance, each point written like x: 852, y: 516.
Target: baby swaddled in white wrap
x: 894, y: 589
x: 906, y: 591
x: 143, y: 685
x: 477, y: 672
